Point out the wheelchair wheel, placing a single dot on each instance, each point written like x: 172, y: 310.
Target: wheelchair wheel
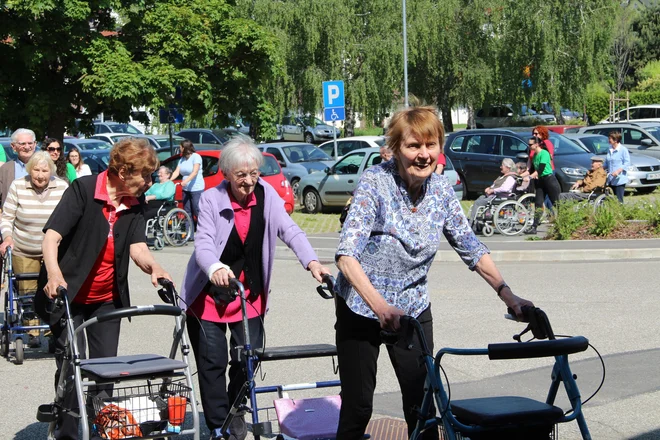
x: 19, y: 351
x: 599, y: 201
x: 158, y: 243
x: 178, y: 227
x: 487, y: 230
x: 511, y: 218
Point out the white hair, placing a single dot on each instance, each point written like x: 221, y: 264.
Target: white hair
x: 509, y: 163
x: 20, y: 131
x: 239, y: 151
x: 38, y: 158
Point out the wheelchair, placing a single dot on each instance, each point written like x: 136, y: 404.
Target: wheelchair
x: 172, y: 225
x: 505, y: 214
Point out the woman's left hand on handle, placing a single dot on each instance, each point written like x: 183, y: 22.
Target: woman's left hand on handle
x: 318, y: 270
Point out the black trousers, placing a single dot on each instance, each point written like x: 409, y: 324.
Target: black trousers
x: 545, y: 186
x: 358, y: 345
x: 102, y: 341
x: 209, y: 343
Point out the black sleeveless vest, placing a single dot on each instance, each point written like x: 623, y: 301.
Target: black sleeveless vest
x: 248, y: 257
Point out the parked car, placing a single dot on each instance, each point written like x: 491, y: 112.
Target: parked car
x: 306, y: 129
x: 504, y: 115
x: 238, y: 125
x: 546, y: 108
x: 270, y: 172
x: 335, y: 185
x: 561, y: 129
x: 638, y: 113
x: 86, y: 144
x: 478, y: 154
x: 115, y: 127
x: 206, y: 135
x: 643, y: 172
x: 346, y: 145
x: 96, y: 159
x: 642, y: 137
x: 156, y: 140
x: 111, y: 138
x: 298, y: 160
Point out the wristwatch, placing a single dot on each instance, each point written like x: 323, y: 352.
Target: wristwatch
x: 499, y: 289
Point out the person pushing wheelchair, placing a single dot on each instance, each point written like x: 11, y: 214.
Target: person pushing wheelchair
x: 400, y: 211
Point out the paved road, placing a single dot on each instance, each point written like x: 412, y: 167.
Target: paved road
x: 611, y: 302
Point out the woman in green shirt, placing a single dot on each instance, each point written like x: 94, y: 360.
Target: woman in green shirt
x: 159, y: 193
x: 545, y: 181
x: 65, y: 170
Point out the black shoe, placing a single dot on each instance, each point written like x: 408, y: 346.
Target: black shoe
x: 531, y: 231
x: 238, y: 428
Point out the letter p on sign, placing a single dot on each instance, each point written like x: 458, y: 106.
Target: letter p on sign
x: 333, y: 94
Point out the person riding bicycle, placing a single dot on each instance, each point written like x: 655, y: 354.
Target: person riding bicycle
x: 393, y: 230
x: 596, y: 178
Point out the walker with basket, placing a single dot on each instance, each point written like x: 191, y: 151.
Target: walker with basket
x: 21, y: 328
x: 124, y: 397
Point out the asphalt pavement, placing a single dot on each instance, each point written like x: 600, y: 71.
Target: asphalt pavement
x: 612, y: 302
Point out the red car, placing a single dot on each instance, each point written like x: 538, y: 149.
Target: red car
x: 561, y: 129
x: 270, y: 172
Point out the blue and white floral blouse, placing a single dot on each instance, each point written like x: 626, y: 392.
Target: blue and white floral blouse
x: 395, y: 240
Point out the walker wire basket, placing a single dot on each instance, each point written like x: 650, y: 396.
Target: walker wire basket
x: 157, y: 409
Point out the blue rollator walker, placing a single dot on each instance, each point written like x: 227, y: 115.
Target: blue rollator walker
x: 501, y: 417
x: 303, y: 419
x: 142, y: 396
x: 19, y: 315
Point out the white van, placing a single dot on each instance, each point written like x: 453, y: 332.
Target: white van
x: 638, y: 113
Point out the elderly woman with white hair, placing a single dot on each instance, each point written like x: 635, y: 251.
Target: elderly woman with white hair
x: 504, y: 184
x: 30, y: 202
x: 238, y: 226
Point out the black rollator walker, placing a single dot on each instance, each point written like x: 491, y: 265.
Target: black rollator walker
x: 501, y: 417
x: 303, y: 419
x: 142, y: 396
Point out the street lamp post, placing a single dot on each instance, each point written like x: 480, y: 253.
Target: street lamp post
x: 405, y: 58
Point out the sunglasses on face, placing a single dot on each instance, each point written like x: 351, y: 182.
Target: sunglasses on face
x: 535, y: 133
x: 51, y: 149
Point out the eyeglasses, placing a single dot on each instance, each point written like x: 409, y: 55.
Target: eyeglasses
x: 240, y: 176
x: 532, y: 144
x: 25, y: 144
x: 535, y: 133
x: 51, y: 149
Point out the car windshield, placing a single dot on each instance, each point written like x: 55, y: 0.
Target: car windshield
x: 312, y: 121
x: 221, y: 135
x: 165, y: 142
x: 124, y: 128
x: 93, y: 145
x: 654, y: 131
x: 596, y: 144
x: 305, y: 153
x: 270, y: 167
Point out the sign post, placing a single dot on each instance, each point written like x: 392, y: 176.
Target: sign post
x: 333, y: 106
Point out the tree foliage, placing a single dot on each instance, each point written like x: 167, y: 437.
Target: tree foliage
x: 72, y: 58
x: 646, y: 27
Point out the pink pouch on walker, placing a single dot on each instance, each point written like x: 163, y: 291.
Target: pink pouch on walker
x: 308, y: 419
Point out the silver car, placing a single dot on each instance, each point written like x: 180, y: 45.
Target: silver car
x: 335, y: 186
x: 306, y: 129
x: 641, y: 137
x: 643, y: 172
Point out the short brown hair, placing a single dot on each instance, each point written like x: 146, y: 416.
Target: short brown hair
x: 615, y: 136
x: 543, y: 132
x: 419, y: 121
x: 134, y: 154
x: 188, y: 147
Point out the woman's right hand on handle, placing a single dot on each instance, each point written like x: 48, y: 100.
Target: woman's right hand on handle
x: 221, y: 277
x: 53, y: 284
x: 389, y: 317
x: 9, y: 242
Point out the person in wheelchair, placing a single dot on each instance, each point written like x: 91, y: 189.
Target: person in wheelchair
x: 595, y: 179
x: 503, y: 185
x: 159, y: 193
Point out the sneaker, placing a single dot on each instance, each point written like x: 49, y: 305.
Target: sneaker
x: 531, y: 231
x: 34, y: 341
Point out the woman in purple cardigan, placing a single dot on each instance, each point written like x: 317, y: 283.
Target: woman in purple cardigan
x: 238, y: 225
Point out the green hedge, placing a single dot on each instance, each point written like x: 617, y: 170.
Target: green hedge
x: 597, y: 102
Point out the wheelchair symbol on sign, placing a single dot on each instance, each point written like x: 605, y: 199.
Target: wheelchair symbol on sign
x: 334, y: 116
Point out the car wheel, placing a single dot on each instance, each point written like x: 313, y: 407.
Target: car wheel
x: 646, y: 189
x: 309, y: 138
x: 312, y: 201
x: 294, y: 186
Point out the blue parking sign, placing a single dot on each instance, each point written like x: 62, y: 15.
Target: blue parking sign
x: 334, y: 114
x: 333, y: 94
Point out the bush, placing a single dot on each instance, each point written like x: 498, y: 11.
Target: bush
x: 606, y: 219
x: 570, y: 216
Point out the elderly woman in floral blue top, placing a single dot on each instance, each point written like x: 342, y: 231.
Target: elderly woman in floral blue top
x: 400, y: 210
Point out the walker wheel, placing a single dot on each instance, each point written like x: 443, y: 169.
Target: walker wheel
x: 4, y: 344
x: 488, y: 230
x: 158, y: 243
x: 19, y: 353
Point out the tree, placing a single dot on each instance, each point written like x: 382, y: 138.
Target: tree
x: 358, y: 41
x: 564, y: 43
x: 646, y: 27
x: 75, y: 59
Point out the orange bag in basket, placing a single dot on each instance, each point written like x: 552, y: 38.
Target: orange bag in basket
x: 114, y: 423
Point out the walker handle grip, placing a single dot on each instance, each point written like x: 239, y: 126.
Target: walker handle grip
x: 328, y: 285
